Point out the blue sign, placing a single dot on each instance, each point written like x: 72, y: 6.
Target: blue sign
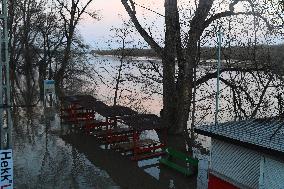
x: 49, y: 87
x: 6, y: 169
x: 49, y: 82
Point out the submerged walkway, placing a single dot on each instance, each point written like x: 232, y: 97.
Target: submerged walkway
x: 92, y: 137
x: 44, y: 159
x: 123, y: 171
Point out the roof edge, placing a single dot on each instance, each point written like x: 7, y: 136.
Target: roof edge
x: 250, y: 146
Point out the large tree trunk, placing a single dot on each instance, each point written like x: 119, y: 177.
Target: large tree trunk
x: 176, y: 96
x: 185, y: 83
x: 169, y: 88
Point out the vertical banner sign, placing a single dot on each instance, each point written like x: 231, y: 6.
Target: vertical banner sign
x: 49, y: 87
x: 49, y: 91
x: 6, y: 169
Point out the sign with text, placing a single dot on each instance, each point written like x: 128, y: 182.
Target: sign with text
x: 6, y: 169
x: 49, y: 87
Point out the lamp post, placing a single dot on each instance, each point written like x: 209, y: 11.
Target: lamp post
x: 219, y: 41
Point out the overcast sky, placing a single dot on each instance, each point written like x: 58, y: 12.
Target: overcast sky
x: 112, y: 12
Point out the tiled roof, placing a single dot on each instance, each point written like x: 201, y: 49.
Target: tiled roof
x: 265, y: 133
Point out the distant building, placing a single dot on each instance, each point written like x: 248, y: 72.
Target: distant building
x: 246, y: 154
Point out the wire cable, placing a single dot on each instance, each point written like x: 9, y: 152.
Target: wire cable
x: 148, y: 9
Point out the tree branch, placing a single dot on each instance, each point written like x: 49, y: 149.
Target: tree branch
x: 230, y: 13
x: 132, y: 13
x: 261, y: 97
x: 235, y: 87
x: 215, y: 74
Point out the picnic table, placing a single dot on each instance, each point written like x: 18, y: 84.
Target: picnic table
x: 81, y: 110
x: 143, y: 148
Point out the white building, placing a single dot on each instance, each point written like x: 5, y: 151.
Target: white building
x: 246, y: 154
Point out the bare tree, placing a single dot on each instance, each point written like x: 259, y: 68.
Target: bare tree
x: 121, y: 36
x: 183, y: 50
x: 71, y: 13
x: 38, y: 43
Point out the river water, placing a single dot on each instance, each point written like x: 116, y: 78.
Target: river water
x: 43, y: 160
x: 141, y: 89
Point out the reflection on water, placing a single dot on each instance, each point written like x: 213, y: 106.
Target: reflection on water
x: 143, y: 94
x: 139, y: 89
x: 132, y: 93
x: 127, y: 173
x: 151, y: 167
x: 43, y: 160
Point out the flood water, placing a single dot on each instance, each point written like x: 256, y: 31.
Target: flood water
x: 42, y: 159
x: 141, y: 89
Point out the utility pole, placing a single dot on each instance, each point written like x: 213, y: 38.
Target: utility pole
x: 218, y: 74
x: 6, y: 122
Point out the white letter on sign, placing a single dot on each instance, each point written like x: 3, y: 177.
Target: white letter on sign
x: 6, y: 169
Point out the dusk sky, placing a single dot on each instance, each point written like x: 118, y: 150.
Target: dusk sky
x: 112, y: 12
x: 97, y: 33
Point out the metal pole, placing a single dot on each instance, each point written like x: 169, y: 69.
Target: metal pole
x: 219, y: 39
x: 2, y: 130
x: 5, y: 85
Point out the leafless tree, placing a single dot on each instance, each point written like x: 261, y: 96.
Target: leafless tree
x: 71, y: 13
x: 181, y: 48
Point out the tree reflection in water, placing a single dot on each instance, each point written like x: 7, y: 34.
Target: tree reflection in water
x: 43, y: 160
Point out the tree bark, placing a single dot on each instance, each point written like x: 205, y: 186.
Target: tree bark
x: 169, y: 63
x: 185, y: 83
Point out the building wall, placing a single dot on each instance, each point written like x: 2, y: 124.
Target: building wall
x: 273, y: 172
x: 236, y: 163
x: 217, y: 183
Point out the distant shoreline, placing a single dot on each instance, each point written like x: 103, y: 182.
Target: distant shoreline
x: 127, y: 52
x: 206, y: 53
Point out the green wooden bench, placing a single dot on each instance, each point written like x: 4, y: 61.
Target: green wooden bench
x: 173, y: 154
